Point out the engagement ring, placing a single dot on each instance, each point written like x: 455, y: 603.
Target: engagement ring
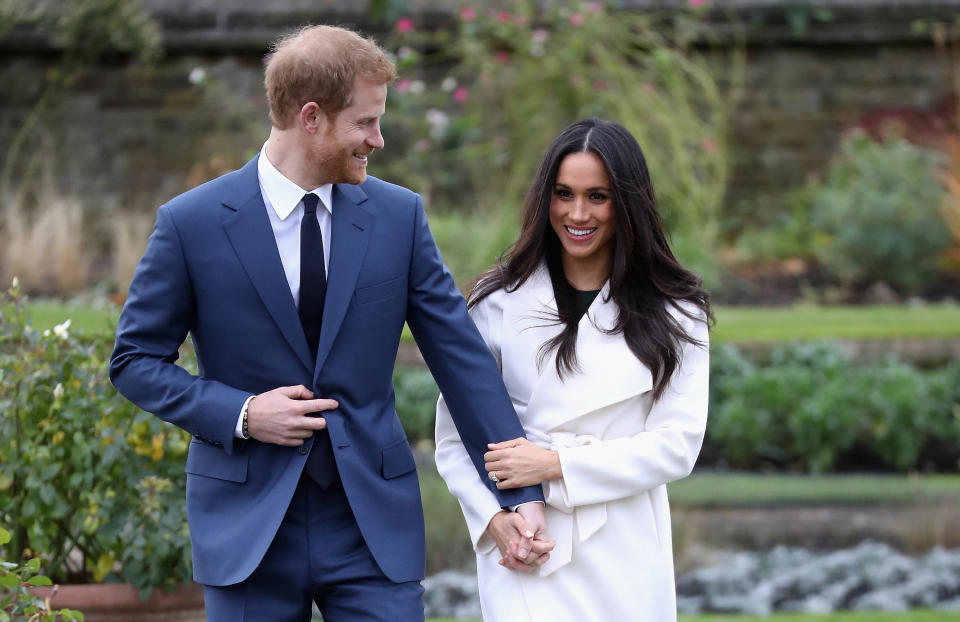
x: 493, y: 477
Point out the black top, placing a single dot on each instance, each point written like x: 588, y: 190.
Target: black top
x: 584, y: 300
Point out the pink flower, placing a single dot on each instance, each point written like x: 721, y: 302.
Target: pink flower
x: 540, y: 35
x: 648, y: 87
x: 460, y: 94
x: 576, y: 19
x: 501, y: 56
x: 696, y: 3
x: 403, y: 85
x: 467, y: 14
x: 505, y: 17
x: 708, y: 144
x: 404, y: 24
x: 600, y: 85
x: 594, y: 7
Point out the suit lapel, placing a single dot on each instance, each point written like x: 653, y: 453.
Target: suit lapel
x: 350, y: 233
x: 248, y: 227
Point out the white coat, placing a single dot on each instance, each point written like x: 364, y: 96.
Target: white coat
x: 618, y: 449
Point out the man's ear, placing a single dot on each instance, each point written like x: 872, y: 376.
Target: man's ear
x: 312, y: 119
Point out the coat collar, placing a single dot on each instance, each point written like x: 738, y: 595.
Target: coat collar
x: 609, y: 371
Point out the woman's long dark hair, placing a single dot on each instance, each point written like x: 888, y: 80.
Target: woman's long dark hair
x: 645, y: 276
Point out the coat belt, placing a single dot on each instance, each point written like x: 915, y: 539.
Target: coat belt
x: 569, y: 522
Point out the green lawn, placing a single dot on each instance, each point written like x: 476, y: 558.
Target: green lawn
x: 912, y: 616
x: 749, y: 489
x: 733, y: 323
x: 48, y: 314
x: 810, y: 322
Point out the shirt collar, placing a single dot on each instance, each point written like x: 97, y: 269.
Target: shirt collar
x: 282, y: 194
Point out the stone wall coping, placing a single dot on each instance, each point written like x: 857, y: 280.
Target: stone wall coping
x: 248, y: 26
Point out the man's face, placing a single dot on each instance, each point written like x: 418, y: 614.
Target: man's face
x: 341, y: 149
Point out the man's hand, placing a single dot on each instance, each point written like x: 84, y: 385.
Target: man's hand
x: 281, y: 416
x: 518, y: 462
x: 514, y: 539
x: 535, y: 517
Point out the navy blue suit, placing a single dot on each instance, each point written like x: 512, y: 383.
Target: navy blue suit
x: 212, y: 269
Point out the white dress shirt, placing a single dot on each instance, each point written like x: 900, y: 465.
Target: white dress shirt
x: 284, y: 202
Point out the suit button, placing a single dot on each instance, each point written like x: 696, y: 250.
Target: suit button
x: 303, y: 449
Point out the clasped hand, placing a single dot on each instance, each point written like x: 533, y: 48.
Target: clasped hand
x: 281, y: 416
x: 521, y: 537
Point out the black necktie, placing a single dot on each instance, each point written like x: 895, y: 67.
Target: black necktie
x: 320, y: 466
x: 313, y: 273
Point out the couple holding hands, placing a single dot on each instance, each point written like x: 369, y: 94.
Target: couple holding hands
x: 573, y: 379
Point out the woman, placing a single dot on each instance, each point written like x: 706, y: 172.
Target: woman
x: 602, y: 338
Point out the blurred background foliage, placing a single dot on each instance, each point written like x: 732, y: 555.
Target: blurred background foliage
x: 94, y: 487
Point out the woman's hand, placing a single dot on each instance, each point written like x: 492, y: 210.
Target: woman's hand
x: 514, y: 539
x: 518, y: 462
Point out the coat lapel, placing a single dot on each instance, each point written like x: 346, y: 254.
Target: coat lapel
x: 248, y: 227
x: 350, y: 232
x: 609, y: 371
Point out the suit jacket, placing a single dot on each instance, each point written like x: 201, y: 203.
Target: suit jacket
x: 212, y: 269
x: 617, y: 447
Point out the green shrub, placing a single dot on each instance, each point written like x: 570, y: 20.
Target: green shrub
x: 813, y: 408
x: 876, y: 215
x: 89, y: 479
x: 17, y: 602
x: 416, y: 395
x: 474, y: 109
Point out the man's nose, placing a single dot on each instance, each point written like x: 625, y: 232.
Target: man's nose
x: 375, y: 139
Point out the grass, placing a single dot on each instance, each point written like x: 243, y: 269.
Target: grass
x: 750, y: 489
x: 812, y: 322
x: 704, y: 490
x: 88, y: 319
x: 733, y: 323
x: 847, y: 616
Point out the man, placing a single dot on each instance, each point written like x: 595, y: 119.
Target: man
x: 294, y: 276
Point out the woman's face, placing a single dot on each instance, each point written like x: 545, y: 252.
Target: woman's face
x: 581, y: 214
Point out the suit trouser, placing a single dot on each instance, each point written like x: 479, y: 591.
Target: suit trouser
x: 318, y: 555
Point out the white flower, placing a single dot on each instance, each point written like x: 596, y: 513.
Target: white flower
x: 438, y: 120
x: 417, y: 86
x: 404, y: 52
x: 16, y: 283
x: 61, y: 330
x: 46, y: 333
x: 197, y: 75
x: 448, y: 84
x: 58, y: 391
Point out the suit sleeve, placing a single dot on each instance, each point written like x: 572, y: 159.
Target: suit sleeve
x: 477, y: 500
x: 467, y: 374
x: 665, y: 451
x: 154, y: 323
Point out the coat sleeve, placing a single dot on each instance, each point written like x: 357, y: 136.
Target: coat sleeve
x: 155, y: 320
x: 477, y: 500
x: 665, y: 451
x: 468, y: 376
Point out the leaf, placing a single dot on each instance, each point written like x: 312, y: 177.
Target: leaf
x: 4, y: 536
x: 104, y: 565
x: 32, y: 565
x: 39, y: 580
x: 9, y: 580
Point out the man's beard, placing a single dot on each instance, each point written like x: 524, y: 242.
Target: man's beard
x: 335, y: 165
